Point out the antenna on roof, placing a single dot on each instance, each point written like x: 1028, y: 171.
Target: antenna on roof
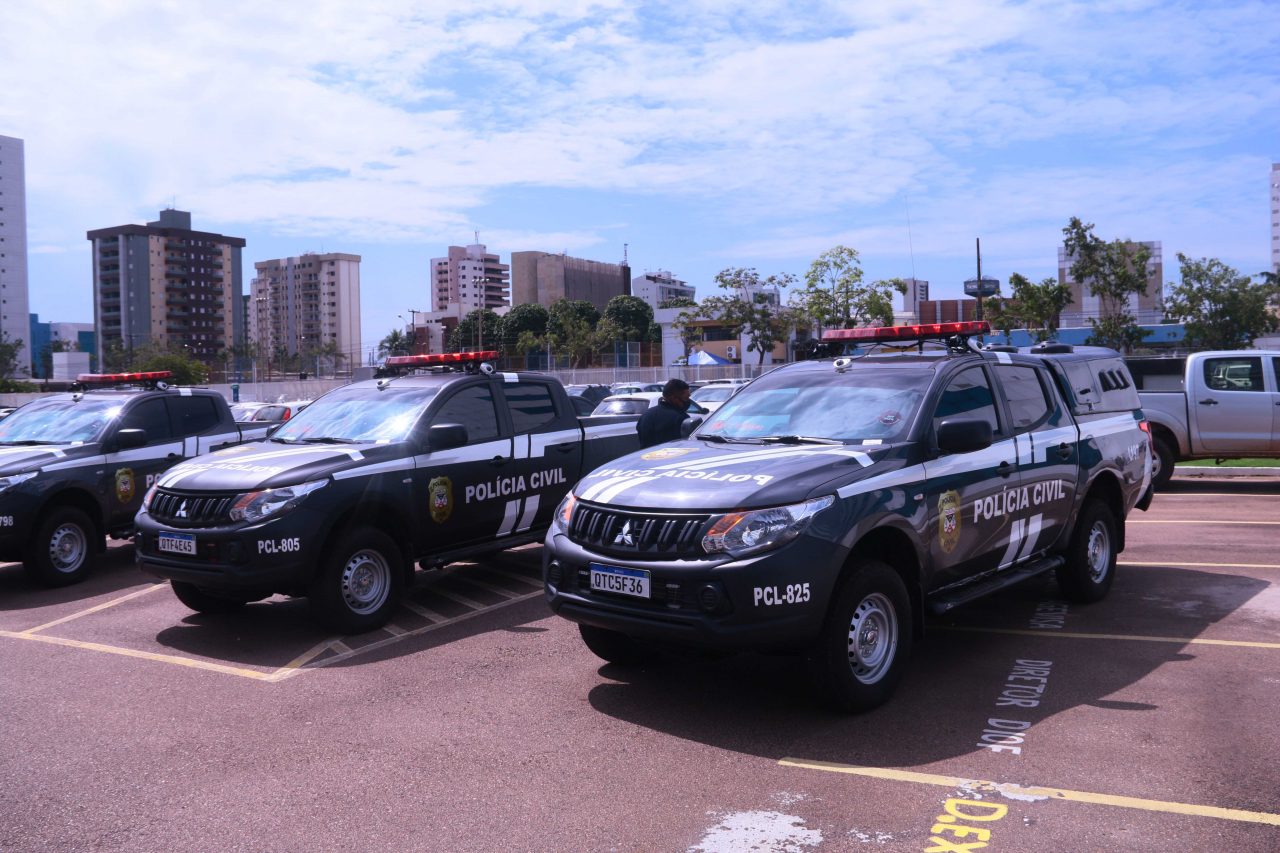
x: 477, y: 233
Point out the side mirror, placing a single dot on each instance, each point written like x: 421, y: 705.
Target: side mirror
x: 688, y: 425
x: 127, y: 439
x: 964, y: 435
x: 697, y: 409
x: 446, y: 436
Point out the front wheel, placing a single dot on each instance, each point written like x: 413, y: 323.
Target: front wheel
x: 358, y: 585
x: 866, y: 641
x: 204, y: 601
x: 1090, y: 568
x: 61, y: 553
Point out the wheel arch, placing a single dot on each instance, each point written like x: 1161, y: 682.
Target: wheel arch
x: 1106, y: 488
x: 79, y: 499
x: 381, y: 515
x: 897, y: 549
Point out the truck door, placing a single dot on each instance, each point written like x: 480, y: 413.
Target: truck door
x: 458, y: 494
x: 1275, y: 408
x: 968, y: 494
x: 548, y: 453
x: 1048, y: 443
x: 131, y: 472
x: 1229, y: 404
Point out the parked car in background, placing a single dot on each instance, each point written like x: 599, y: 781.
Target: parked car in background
x: 243, y: 412
x: 582, y: 407
x: 5, y: 411
x: 638, y: 403
x: 627, y: 388
x: 711, y: 397
x: 278, y: 412
x: 593, y: 393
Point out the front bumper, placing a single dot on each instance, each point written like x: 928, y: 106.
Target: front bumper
x: 770, y: 602
x: 276, y: 555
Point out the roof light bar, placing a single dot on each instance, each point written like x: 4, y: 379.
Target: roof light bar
x: 120, y: 378
x: 440, y: 358
x: 921, y: 332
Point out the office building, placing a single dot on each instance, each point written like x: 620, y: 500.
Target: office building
x: 470, y: 277
x: 307, y: 305
x: 167, y: 285
x: 542, y: 278
x: 1085, y: 306
x: 660, y: 287
x: 14, y: 317
x: 46, y: 340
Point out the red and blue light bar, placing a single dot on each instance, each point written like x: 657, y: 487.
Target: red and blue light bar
x: 439, y: 358
x: 919, y: 332
x: 120, y: 378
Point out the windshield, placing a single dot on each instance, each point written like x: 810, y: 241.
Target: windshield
x: 621, y: 407
x: 714, y: 393
x: 59, y: 421
x: 875, y: 405
x: 366, y: 414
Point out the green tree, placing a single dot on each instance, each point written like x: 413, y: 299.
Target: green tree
x: 480, y: 330
x: 1037, y: 306
x: 746, y: 310
x: 571, y: 330
x: 396, y: 342
x: 1113, y: 272
x: 1221, y: 308
x: 834, y: 294
x: 10, y: 357
x: 678, y: 302
x: 523, y: 328
x: 1003, y: 315
x: 630, y: 315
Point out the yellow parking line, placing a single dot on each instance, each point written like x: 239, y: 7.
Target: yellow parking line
x: 1191, y: 521
x: 1182, y: 641
x: 1205, y: 565
x: 304, y: 658
x: 134, y: 653
x: 1018, y: 792
x: 112, y: 603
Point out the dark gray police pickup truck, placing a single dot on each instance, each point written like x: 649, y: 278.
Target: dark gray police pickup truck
x: 74, y: 466
x: 829, y: 505
x: 346, y: 496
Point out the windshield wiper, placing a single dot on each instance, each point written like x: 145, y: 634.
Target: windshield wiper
x: 282, y: 440
x: 328, y: 439
x: 798, y: 439
x: 27, y: 442
x: 723, y: 439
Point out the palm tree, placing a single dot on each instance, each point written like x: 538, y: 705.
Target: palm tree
x: 395, y: 343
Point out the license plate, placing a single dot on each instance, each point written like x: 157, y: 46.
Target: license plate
x: 633, y: 582
x: 178, y: 543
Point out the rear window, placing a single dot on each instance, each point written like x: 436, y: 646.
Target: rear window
x: 1100, y: 385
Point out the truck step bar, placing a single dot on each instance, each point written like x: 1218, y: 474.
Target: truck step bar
x: 944, y: 602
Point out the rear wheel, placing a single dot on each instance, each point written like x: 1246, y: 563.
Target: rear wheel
x: 1162, y: 462
x: 358, y: 586
x: 1091, y: 557
x: 866, y: 641
x: 615, y: 647
x: 61, y: 553
x: 206, y: 601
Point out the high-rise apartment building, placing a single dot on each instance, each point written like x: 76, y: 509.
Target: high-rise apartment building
x: 163, y: 283
x: 306, y: 305
x: 1275, y: 217
x: 545, y: 278
x: 1085, y: 306
x: 14, y: 316
x: 469, y: 277
x: 658, y: 287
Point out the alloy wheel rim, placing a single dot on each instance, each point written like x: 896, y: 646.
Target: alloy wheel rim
x: 366, y: 582
x: 873, y: 638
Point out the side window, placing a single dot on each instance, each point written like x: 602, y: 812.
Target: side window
x: 967, y: 395
x: 1028, y: 405
x: 151, y: 415
x: 531, y: 406
x: 1236, y: 373
x: 473, y: 408
x: 1275, y: 366
x: 196, y: 414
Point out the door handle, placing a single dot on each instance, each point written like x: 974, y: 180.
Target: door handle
x: 571, y: 446
x: 174, y: 456
x: 1063, y: 450
x: 1208, y: 401
x: 1004, y: 469
x: 498, y: 460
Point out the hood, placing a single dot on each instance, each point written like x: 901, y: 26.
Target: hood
x: 19, y: 459
x: 696, y: 475
x: 270, y: 465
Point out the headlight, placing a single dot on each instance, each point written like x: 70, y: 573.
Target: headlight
x: 741, y: 533
x: 255, y: 506
x: 6, y: 482
x: 564, y: 512
x: 146, y: 499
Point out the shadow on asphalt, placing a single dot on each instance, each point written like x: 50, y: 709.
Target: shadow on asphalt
x: 114, y: 572
x: 765, y: 706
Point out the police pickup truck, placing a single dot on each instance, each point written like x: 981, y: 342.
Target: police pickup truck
x: 74, y: 466
x: 828, y: 506
x: 344, y: 497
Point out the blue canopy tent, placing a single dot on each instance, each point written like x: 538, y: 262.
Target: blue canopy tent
x: 703, y: 357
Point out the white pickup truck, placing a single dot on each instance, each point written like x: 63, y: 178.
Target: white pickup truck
x: 1223, y: 404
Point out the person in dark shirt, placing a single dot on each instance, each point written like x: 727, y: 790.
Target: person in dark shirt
x: 662, y: 422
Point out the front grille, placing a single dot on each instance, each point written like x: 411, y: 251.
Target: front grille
x: 612, y: 531
x: 189, y: 510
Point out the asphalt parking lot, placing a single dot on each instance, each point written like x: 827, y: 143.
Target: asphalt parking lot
x: 476, y: 721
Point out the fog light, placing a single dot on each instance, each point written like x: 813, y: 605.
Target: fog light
x: 709, y: 597
x: 555, y: 573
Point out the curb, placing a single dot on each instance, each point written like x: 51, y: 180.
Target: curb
x: 1201, y: 471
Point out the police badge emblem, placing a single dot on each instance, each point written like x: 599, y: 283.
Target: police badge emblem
x: 440, y: 494
x: 948, y: 520
x: 124, y: 485
x: 667, y: 453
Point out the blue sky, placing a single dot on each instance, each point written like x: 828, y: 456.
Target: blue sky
x: 702, y: 134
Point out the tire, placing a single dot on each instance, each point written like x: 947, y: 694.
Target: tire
x: 203, y: 601
x: 1091, y: 557
x: 1162, y: 463
x: 614, y: 647
x: 359, y: 582
x: 62, y: 551
x: 866, y: 640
